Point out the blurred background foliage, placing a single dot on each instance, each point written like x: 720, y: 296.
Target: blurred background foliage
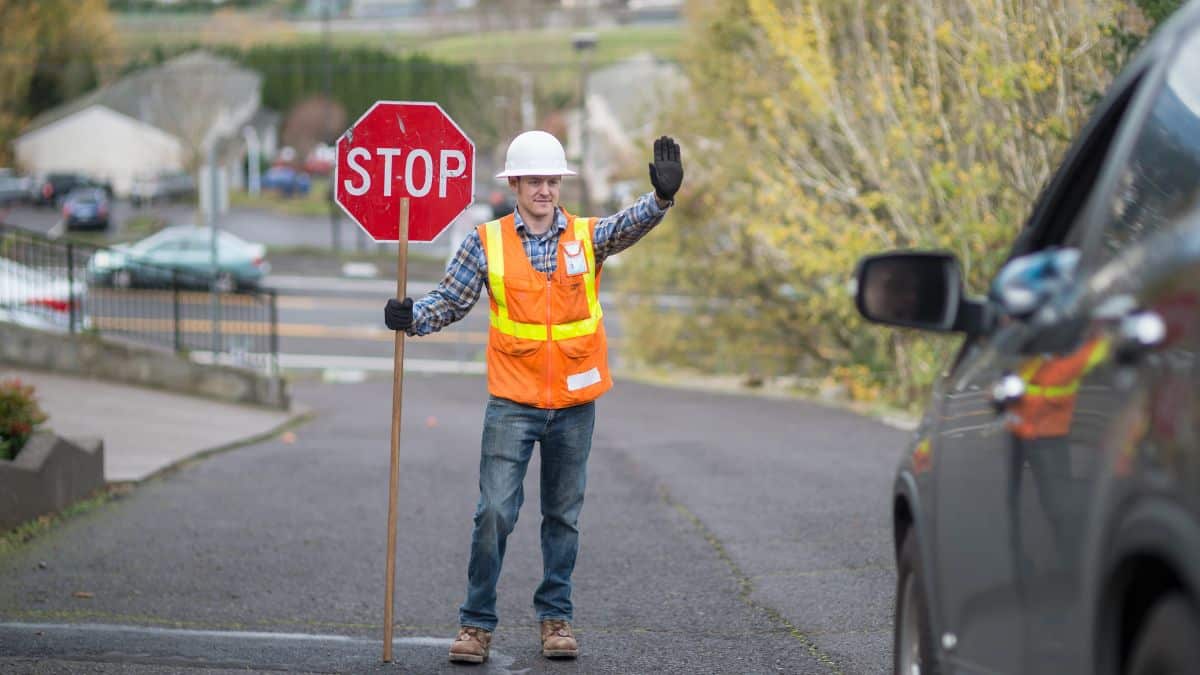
x: 823, y: 130
x: 51, y: 51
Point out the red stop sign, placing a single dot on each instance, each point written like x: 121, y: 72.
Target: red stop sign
x: 404, y: 149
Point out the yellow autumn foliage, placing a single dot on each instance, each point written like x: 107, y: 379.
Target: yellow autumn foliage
x: 818, y: 131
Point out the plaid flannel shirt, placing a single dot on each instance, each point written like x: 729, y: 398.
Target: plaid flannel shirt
x: 466, y: 275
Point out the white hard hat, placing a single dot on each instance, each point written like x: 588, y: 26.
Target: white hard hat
x: 535, y: 153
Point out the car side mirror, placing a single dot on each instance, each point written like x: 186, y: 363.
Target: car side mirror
x: 917, y: 289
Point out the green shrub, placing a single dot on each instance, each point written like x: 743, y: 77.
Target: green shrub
x: 19, y: 415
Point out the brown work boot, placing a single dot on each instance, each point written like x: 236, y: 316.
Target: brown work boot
x: 558, y: 641
x: 471, y: 645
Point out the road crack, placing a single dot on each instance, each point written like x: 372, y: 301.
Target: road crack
x: 746, y: 583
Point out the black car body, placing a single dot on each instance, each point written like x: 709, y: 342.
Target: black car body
x: 1047, y: 512
x: 86, y: 208
x: 55, y: 187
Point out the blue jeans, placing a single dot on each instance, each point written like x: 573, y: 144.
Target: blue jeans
x: 509, y: 432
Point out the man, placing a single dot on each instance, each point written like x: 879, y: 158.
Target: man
x: 547, y: 363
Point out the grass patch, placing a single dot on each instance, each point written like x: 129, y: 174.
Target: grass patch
x: 24, y: 533
x: 314, y: 204
x: 509, y: 48
x: 134, y: 228
x: 553, y: 46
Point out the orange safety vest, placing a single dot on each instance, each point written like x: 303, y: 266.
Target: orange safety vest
x: 546, y: 344
x: 1051, y: 390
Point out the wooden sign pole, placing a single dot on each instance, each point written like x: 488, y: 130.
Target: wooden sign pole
x: 397, y: 399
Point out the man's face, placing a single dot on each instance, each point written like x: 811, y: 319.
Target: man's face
x: 537, y: 196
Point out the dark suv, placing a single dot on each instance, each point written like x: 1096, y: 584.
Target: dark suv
x: 1047, y: 512
x: 55, y: 187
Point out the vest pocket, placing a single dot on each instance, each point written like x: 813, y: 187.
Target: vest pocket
x: 570, y: 300
x: 578, y: 347
x: 526, y: 301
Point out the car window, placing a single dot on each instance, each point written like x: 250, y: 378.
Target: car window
x: 154, y: 240
x: 1162, y: 177
x: 167, y: 247
x: 1055, y: 220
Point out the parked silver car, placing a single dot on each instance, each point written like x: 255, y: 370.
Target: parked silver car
x: 15, y: 188
x: 162, y: 187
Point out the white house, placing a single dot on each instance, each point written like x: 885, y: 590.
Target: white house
x: 157, y: 119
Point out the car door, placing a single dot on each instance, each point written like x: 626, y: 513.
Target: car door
x: 981, y: 477
x: 166, y: 259
x: 195, y: 256
x: 1121, y: 349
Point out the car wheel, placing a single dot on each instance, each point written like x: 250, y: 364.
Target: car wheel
x: 912, y: 647
x: 122, y: 279
x: 1167, y: 643
x: 226, y: 283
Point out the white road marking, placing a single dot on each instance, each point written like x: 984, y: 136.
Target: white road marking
x: 239, y: 635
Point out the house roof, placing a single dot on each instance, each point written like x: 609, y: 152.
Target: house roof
x: 153, y: 95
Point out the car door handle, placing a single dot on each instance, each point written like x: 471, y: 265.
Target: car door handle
x: 1007, y: 391
x: 1139, y: 333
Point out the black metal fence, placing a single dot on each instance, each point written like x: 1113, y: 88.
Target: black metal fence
x: 78, y: 287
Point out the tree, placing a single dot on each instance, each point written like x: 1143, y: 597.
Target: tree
x: 50, y: 51
x: 312, y: 121
x: 834, y: 128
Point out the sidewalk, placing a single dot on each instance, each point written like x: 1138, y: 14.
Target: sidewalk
x: 144, y: 430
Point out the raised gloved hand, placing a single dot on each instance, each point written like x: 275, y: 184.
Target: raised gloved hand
x: 666, y: 171
x: 398, y: 314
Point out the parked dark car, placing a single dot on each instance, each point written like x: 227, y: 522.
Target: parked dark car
x: 1047, y: 511
x: 86, y: 208
x: 287, y: 181
x: 55, y: 187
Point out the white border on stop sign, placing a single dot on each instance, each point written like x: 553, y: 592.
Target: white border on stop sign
x: 361, y: 117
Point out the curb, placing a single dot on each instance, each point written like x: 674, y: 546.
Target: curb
x: 298, y: 416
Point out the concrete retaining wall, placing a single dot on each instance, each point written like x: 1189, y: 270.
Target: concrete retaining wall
x: 49, y: 474
x: 103, y: 359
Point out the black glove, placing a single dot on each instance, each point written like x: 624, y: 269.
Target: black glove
x: 398, y: 314
x: 666, y: 172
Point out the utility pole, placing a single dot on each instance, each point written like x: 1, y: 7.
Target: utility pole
x: 213, y: 204
x: 584, y: 44
x: 253, y: 159
x: 327, y: 76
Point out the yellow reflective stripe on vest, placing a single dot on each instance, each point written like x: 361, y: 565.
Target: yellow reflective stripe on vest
x: 495, y: 262
x: 1099, y: 351
x: 1052, y: 392
x: 536, y: 331
x: 564, y: 331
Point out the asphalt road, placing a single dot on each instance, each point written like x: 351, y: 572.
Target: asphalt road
x: 721, y: 534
